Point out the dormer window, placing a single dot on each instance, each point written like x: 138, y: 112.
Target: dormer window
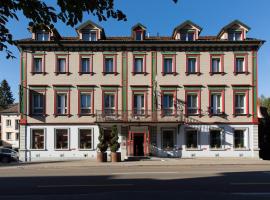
x: 187, y: 36
x: 42, y: 36
x: 139, y: 35
x: 235, y: 35
x: 89, y: 35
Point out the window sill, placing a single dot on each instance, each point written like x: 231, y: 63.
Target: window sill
x: 169, y: 73
x: 193, y: 73
x: 193, y: 149
x: 241, y: 115
x: 62, y: 115
x: 108, y: 73
x: 139, y: 73
x: 241, y: 149
x: 86, y: 115
x: 217, y: 73
x: 36, y: 73
x: 59, y: 73
x: 237, y: 73
x: 188, y: 115
x: 217, y: 115
x: 38, y: 115
x: 62, y: 149
x: 86, y: 149
x: 217, y: 149
x: 83, y: 73
x: 38, y: 149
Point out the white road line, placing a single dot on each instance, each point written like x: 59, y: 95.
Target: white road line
x: 103, y: 185
x: 251, y: 183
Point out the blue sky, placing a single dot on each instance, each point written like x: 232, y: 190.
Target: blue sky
x: 161, y: 16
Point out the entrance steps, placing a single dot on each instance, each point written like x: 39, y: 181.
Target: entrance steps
x: 137, y: 158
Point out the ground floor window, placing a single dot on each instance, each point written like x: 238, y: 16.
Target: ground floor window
x: 61, y: 139
x: 37, y: 139
x: 192, y: 139
x: 168, y: 139
x: 215, y: 139
x: 239, y: 139
x: 8, y: 136
x: 85, y: 139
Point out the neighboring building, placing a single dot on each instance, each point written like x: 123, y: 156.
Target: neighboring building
x: 10, y: 119
x: 183, y: 95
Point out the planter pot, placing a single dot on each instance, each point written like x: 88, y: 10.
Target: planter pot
x: 116, y: 156
x: 101, y: 157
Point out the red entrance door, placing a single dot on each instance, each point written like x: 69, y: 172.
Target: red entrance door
x: 138, y: 143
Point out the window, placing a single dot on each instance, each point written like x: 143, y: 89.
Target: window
x: 239, y: 139
x: 215, y: 107
x: 191, y: 139
x: 215, y: 139
x: 85, y: 103
x: 37, y: 68
x: 240, y: 101
x: 187, y: 36
x: 61, y: 65
x: 61, y: 103
x: 8, y: 136
x: 235, y: 35
x: 85, y: 65
x: 109, y: 65
x: 16, y: 124
x: 168, y: 104
x: 139, y: 107
x: 89, y: 35
x: 8, y: 122
x: 168, y: 65
x: 38, y: 103
x: 42, y: 36
x: 168, y: 139
x: 109, y: 103
x: 192, y: 65
x: 216, y: 65
x: 240, y: 65
x: 192, y: 103
x: 61, y: 139
x: 138, y: 65
x: 139, y: 35
x: 17, y: 136
x: 85, y: 139
x: 37, y: 139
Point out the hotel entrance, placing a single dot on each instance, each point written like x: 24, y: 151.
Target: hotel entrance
x: 138, y: 143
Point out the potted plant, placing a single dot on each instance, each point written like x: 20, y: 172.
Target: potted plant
x: 102, y: 147
x: 114, y: 145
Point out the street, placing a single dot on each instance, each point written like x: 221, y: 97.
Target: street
x: 135, y: 182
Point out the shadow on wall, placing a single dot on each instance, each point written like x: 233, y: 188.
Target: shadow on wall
x: 264, y: 135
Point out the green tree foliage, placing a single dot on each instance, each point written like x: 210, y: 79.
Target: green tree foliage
x: 6, y: 97
x: 265, y: 102
x: 114, y: 145
x: 102, y: 145
x: 38, y: 12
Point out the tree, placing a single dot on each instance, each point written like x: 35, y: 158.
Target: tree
x: 265, y: 102
x: 102, y: 145
x: 38, y: 12
x: 6, y: 96
x: 114, y: 144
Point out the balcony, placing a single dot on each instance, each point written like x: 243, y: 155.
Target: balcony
x: 168, y: 115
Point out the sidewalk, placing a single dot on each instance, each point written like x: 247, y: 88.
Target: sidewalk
x: 151, y: 162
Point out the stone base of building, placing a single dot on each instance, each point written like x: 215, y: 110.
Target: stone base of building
x: 158, y: 140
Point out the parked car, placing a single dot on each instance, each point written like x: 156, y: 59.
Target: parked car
x: 7, y: 155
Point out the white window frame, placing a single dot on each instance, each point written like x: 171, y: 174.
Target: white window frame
x: 42, y: 33
x: 234, y: 35
x: 170, y: 66
x: 92, y: 139
x: 8, y: 123
x: 62, y: 107
x: 167, y: 111
x: 135, y: 65
x: 40, y: 64
x: 243, y: 65
x: 8, y: 134
x: 189, y: 66
x: 214, y: 105
x: 105, y: 67
x: 141, y: 110
x: 192, y: 108
x: 198, y: 139
x: 222, y: 139
x: 246, y: 138
x: 59, y: 65
x: 89, y: 34
x: 213, y: 66
x: 39, y: 106
x: 86, y: 108
x: 89, y: 65
x: 68, y: 139
x: 237, y: 101
x: 184, y: 36
x: 174, y: 138
x: 111, y: 110
x: 44, y: 138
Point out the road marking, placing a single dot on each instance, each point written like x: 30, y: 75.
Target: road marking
x: 250, y: 183
x: 103, y: 185
x: 251, y: 193
x: 136, y: 173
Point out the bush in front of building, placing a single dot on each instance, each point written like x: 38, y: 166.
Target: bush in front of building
x: 114, y: 145
x: 102, y: 147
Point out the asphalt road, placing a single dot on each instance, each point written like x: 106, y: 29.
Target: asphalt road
x: 237, y: 182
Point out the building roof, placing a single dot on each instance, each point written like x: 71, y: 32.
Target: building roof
x: 233, y: 23
x: 14, y: 108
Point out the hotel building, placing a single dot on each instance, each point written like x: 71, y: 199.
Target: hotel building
x: 183, y: 95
